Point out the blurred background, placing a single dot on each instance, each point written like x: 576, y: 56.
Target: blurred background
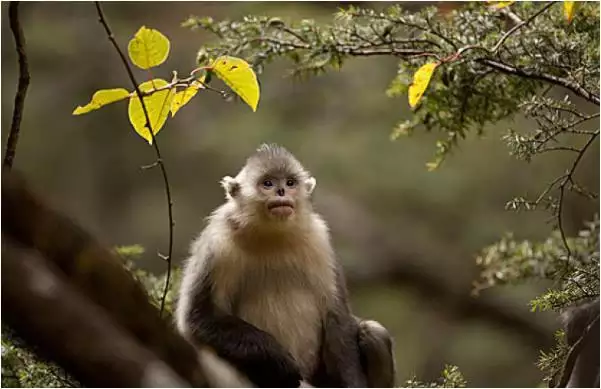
x: 408, y: 238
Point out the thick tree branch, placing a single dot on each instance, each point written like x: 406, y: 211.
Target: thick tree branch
x: 159, y: 160
x: 15, y: 128
x: 50, y: 313
x: 95, y: 271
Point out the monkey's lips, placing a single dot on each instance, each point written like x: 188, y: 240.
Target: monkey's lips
x: 281, y: 208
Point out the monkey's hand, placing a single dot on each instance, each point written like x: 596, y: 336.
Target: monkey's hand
x: 255, y: 353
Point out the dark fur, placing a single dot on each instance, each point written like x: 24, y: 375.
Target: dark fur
x: 265, y: 362
x: 340, y: 364
x: 254, y: 352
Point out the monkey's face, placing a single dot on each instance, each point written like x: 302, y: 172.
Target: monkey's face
x: 280, y: 195
x: 274, y: 196
x: 272, y: 186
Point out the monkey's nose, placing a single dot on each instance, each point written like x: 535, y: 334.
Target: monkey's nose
x: 281, y: 192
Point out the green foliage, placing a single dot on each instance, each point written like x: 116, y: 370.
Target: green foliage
x: 153, y: 284
x: 451, y: 378
x: 22, y: 368
x: 509, y: 261
x: 476, y: 60
x: 551, y: 362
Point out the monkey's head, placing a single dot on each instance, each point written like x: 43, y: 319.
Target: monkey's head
x: 273, y: 185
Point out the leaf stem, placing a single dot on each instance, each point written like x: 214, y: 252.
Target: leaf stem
x: 159, y: 160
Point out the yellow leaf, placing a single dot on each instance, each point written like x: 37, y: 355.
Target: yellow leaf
x: 569, y: 7
x: 500, y: 4
x: 421, y: 79
x: 182, y: 98
x: 157, y: 104
x: 240, y: 77
x: 148, y: 48
x: 102, y: 98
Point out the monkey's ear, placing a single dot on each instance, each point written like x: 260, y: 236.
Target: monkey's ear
x: 310, y: 184
x: 231, y: 186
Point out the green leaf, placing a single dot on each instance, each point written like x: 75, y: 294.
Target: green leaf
x: 148, y: 48
x: 182, y: 98
x: 157, y: 104
x: 102, y: 98
x: 240, y: 77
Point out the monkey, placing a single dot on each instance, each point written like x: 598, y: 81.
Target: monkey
x: 262, y: 286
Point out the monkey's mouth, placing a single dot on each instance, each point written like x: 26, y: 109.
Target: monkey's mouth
x: 281, y: 208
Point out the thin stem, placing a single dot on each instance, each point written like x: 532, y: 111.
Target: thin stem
x: 159, y: 161
x: 518, y: 26
x: 567, y: 179
x: 23, y: 84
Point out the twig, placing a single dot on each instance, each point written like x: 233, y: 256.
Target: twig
x: 568, y: 178
x: 510, y: 69
x: 23, y: 83
x: 511, y: 15
x: 518, y: 26
x: 159, y: 160
x: 573, y: 354
x: 548, y: 189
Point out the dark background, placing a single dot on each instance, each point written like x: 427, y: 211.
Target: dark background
x: 408, y: 237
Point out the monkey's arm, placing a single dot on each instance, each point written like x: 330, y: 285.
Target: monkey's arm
x: 254, y: 352
x: 340, y: 361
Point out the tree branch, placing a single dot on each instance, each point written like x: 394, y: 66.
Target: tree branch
x: 99, y: 352
x: 520, y: 25
x: 159, y: 161
x: 509, y: 69
x: 568, y: 177
x: 95, y: 271
x: 23, y: 83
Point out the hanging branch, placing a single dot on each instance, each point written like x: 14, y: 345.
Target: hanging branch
x: 159, y: 161
x: 568, y: 179
x: 13, y: 137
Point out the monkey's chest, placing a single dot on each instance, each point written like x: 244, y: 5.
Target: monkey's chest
x: 293, y: 316
x: 287, y: 304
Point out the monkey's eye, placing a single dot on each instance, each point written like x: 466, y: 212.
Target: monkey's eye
x: 290, y: 182
x: 267, y: 184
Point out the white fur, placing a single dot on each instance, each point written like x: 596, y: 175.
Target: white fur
x: 228, y: 183
x: 310, y: 183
